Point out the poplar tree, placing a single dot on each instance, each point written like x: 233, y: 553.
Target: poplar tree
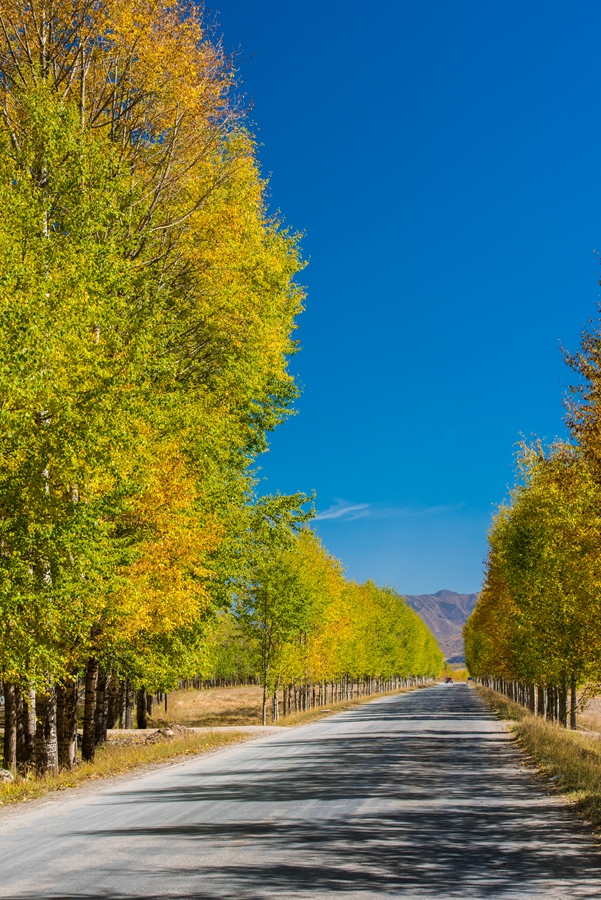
x: 537, y: 618
x: 148, y: 302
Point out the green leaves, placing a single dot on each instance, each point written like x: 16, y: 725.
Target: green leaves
x: 537, y: 617
x: 304, y: 622
x: 146, y: 310
x: 147, y: 315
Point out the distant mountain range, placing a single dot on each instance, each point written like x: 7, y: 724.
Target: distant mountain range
x: 445, y: 613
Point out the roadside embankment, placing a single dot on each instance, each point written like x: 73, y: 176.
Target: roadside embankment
x: 571, y: 760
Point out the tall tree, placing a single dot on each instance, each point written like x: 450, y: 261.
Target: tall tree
x: 146, y: 309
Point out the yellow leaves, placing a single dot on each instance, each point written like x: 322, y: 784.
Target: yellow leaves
x: 357, y: 629
x: 173, y: 60
x: 148, y: 302
x: 243, y: 270
x: 166, y: 586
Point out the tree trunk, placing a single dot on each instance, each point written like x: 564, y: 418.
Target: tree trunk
x: 30, y: 725
x: 124, y: 703
x: 540, y: 700
x: 141, y: 720
x: 66, y: 708
x: 545, y: 702
x: 101, y: 711
x: 114, y: 702
x: 129, y: 707
x: 563, y: 702
x: 10, y: 727
x: 549, y: 704
x: 554, y: 703
x: 22, y: 744
x: 573, y: 703
x: 46, y: 746
x: 61, y: 727
x: 88, y: 744
x: 264, y: 705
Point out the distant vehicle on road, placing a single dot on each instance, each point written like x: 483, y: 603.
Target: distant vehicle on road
x: 448, y: 680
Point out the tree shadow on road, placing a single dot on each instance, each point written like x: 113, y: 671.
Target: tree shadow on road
x: 439, y: 813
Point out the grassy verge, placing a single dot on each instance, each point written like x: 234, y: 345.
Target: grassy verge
x: 115, y: 760
x: 570, y: 759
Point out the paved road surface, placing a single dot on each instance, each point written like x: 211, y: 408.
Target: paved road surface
x: 416, y: 796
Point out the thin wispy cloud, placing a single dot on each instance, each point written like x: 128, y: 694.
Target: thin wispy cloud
x: 348, y: 511
x: 343, y: 510
x: 432, y: 510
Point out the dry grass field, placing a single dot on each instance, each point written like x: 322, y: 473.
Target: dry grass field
x: 215, y: 706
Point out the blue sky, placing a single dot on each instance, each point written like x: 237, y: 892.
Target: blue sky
x: 444, y: 163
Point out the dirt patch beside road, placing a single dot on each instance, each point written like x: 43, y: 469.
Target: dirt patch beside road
x: 215, y: 706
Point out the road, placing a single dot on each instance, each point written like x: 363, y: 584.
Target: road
x: 421, y: 795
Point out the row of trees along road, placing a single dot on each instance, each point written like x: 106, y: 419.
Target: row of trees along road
x: 315, y: 637
x: 147, y: 307
x: 535, y: 634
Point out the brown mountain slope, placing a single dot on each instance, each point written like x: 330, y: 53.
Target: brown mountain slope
x: 445, y: 613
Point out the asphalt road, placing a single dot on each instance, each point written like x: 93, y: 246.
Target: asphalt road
x: 416, y: 796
